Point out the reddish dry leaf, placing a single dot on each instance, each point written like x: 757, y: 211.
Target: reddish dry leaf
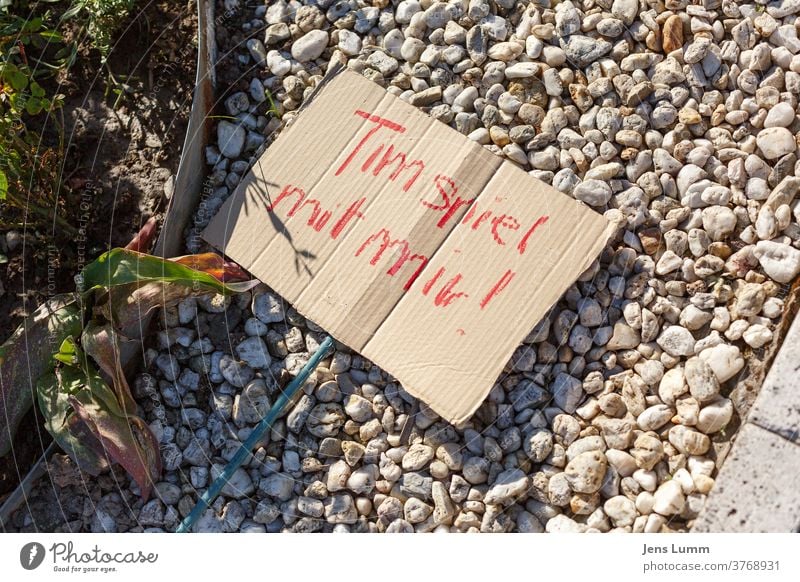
x: 214, y: 265
x: 144, y: 238
x: 101, y: 342
x: 125, y: 440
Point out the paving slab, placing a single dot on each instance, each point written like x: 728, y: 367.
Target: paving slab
x: 777, y: 407
x: 757, y: 488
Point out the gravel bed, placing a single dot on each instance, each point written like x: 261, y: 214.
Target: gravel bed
x: 677, y: 121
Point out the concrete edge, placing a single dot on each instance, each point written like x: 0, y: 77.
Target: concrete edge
x: 756, y: 488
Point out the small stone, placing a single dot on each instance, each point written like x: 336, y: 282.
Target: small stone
x: 780, y: 261
x: 654, y: 417
x: 593, y: 192
x: 508, y: 486
x: 669, y: 499
x: 775, y: 142
x: 567, y: 392
x: 416, y: 511
x: 668, y: 263
x: 325, y: 419
x: 757, y: 335
x: 538, y: 445
x: 278, y: 485
x: 230, y: 138
x: 718, y: 222
x: 152, y: 514
x: 268, y: 307
x: 362, y: 480
x: 310, y: 46
x: 648, y: 451
x: 257, y: 51
x: 625, y: 10
x: 349, y: 42
x: 340, y: 509
x: 621, y: 510
x: 235, y: 372
x: 253, y: 352
x: 702, y: 381
x: 239, y: 486
x: 749, y: 300
x: 677, y: 341
x: 476, y: 470
x: 505, y: 51
x: 672, y: 385
x: 715, y: 416
x: 169, y: 366
x: 443, y: 508
x: 252, y: 404
x: 583, y: 50
x: 672, y: 34
x: 726, y: 360
x: 310, y: 506
x: 276, y: 33
x: 417, y: 457
x: 781, y: 115
x: 522, y: 70
x: 624, y: 338
x: 688, y: 441
x: 585, y: 472
x: 358, y: 408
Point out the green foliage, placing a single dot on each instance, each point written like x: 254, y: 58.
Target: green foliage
x: 30, y: 52
x: 102, y: 18
x: 73, y: 350
x: 27, y: 355
x: 32, y: 49
x: 87, y: 420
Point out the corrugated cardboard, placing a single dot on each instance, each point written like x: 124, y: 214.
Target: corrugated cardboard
x: 407, y: 241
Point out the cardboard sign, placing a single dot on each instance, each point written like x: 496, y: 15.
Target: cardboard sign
x: 407, y: 241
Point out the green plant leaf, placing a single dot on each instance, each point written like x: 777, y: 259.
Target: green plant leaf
x: 34, y: 106
x: 67, y: 352
x: 75, y: 358
x: 27, y: 355
x: 123, y: 267
x: 36, y: 89
x: 53, y: 391
x: 17, y: 79
x: 73, y: 10
x: 3, y: 185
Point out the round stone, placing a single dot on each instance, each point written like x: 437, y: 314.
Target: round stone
x: 775, y: 142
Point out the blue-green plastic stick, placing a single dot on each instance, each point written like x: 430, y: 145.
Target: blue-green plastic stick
x: 247, y: 446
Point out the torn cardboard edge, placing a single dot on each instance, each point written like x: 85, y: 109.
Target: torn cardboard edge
x: 436, y: 200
